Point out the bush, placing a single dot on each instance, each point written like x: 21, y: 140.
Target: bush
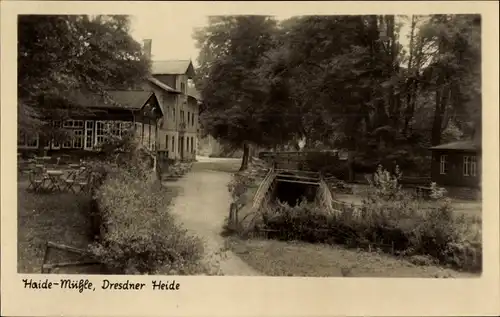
x: 390, y: 219
x: 239, y: 185
x: 138, y: 235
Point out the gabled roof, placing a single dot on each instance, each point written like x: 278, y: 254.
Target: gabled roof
x: 466, y: 145
x: 162, y: 85
x: 130, y: 99
x: 121, y: 99
x: 173, y: 67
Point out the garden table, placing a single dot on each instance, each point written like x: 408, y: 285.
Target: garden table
x: 54, y: 177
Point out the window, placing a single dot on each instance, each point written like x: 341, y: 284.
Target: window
x: 138, y: 127
x: 73, y: 124
x: 173, y: 144
x: 27, y: 140
x: 68, y: 142
x: 78, y: 139
x: 182, y: 116
x: 21, y: 139
x: 126, y: 127
x: 189, y: 118
x: 32, y: 141
x: 46, y: 144
x: 153, y: 137
x: 473, y: 166
x: 183, y: 88
x: 469, y: 166
x: 192, y: 145
x: 192, y: 118
x: 116, y: 129
x: 179, y: 144
x: 89, y: 134
x: 443, y: 164
x: 55, y: 140
x: 173, y: 113
x: 100, y: 132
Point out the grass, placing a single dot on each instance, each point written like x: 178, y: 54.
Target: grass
x: 278, y: 258
x: 56, y: 217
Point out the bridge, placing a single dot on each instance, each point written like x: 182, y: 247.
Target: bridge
x: 287, y: 180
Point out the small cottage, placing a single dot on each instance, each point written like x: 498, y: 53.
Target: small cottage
x: 99, y: 118
x: 457, y: 164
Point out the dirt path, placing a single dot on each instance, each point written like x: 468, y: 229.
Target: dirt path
x: 202, y: 207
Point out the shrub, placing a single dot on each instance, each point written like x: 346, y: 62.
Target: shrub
x: 238, y: 187
x: 138, y: 234
x: 389, y: 218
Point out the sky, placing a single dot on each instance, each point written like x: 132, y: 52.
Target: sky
x: 174, y: 40
x: 170, y: 41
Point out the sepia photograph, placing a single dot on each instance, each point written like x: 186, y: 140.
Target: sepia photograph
x: 250, y: 145
x: 231, y: 159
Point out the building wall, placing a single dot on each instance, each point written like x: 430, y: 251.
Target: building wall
x: 180, y: 122
x: 168, y: 129
x: 455, y: 175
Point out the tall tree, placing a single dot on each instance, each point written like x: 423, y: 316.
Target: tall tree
x: 231, y: 48
x: 454, y: 72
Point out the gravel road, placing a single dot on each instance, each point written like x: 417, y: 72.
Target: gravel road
x: 202, y: 205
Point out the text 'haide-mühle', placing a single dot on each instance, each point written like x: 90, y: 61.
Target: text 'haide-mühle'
x: 80, y: 285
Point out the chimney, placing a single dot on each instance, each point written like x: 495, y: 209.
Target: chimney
x: 146, y: 47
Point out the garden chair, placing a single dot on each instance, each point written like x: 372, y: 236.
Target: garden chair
x: 83, y: 180
x: 37, y: 178
x: 70, y: 180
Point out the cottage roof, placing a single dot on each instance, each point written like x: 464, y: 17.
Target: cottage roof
x: 173, y: 67
x: 126, y: 99
x: 162, y: 85
x: 123, y: 99
x: 465, y: 145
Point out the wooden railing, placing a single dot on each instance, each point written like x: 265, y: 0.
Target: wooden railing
x: 258, y: 198
x: 263, y: 188
x: 324, y: 197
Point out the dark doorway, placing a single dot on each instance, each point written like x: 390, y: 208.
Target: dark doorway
x: 293, y: 193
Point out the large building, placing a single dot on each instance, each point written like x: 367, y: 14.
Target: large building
x: 172, y: 82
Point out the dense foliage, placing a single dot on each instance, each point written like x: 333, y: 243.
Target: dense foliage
x: 343, y: 81
x: 61, y: 54
x: 138, y: 234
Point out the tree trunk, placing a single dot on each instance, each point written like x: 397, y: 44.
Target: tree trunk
x: 41, y: 144
x: 350, y: 165
x: 246, y: 154
x: 437, y: 125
